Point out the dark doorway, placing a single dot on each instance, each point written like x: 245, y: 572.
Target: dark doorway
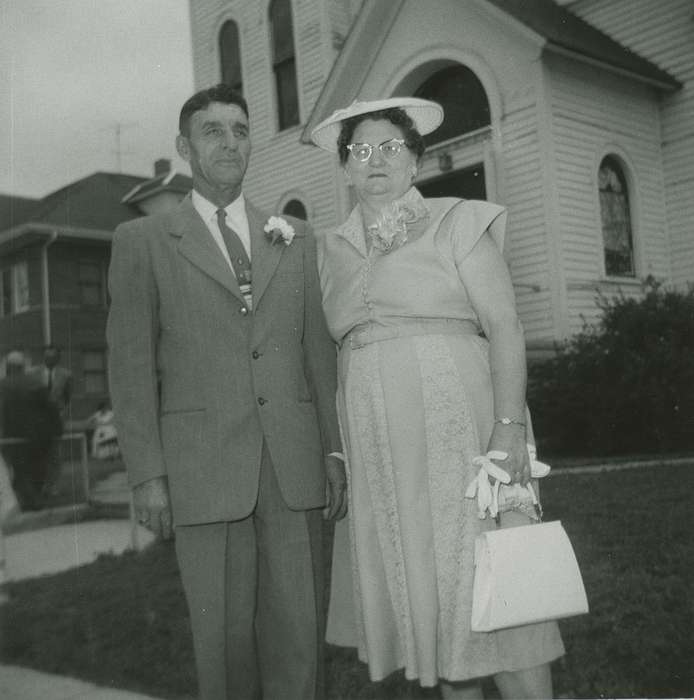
x: 466, y: 184
x: 463, y: 98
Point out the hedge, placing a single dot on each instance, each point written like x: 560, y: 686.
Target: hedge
x: 624, y: 385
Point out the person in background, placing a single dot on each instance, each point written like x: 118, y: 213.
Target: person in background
x: 58, y: 382
x: 431, y: 373
x: 223, y: 387
x: 9, y: 510
x: 104, y: 443
x: 29, y: 423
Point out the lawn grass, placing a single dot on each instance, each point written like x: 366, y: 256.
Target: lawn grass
x: 122, y: 621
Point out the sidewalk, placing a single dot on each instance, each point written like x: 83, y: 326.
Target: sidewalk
x: 49, y: 549
x: 24, y: 684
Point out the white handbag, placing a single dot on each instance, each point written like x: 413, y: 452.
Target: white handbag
x: 523, y: 575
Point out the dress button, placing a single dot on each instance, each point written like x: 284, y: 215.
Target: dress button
x: 255, y: 354
x: 261, y: 400
x: 243, y: 310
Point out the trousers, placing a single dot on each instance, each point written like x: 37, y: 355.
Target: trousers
x: 255, y: 591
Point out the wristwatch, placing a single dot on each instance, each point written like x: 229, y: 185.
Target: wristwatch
x: 509, y: 421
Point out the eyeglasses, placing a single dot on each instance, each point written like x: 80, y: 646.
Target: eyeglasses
x: 363, y: 151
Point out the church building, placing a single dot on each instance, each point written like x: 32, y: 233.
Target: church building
x: 577, y: 116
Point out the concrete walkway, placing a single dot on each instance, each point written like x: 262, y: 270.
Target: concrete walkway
x: 18, y: 683
x: 52, y: 548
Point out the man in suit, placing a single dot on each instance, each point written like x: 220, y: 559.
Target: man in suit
x: 223, y: 383
x: 57, y: 379
x: 58, y: 382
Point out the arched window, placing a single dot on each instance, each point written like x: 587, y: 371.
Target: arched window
x: 616, y: 219
x: 284, y: 63
x: 463, y: 98
x: 295, y: 207
x: 230, y: 55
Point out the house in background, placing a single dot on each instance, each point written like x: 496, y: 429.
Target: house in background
x: 577, y: 116
x: 54, y: 257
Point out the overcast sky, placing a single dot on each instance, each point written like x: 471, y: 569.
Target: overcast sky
x: 74, y: 72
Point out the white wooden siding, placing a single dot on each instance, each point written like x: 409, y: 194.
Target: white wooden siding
x: 594, y: 115
x: 279, y: 162
x: 527, y: 241
x: 662, y: 32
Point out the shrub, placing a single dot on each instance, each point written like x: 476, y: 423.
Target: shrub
x: 625, y: 385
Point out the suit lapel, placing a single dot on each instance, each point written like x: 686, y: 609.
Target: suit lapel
x: 197, y: 245
x: 264, y: 256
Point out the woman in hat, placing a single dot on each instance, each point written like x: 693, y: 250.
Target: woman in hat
x: 431, y: 374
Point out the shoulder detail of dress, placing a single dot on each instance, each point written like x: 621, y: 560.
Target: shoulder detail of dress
x: 466, y: 221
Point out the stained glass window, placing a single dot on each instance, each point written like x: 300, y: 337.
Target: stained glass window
x: 616, y: 219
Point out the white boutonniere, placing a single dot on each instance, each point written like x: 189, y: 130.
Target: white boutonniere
x: 278, y: 229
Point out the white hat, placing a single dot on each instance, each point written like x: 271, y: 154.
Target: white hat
x: 425, y: 114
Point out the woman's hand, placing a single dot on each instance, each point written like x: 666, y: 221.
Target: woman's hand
x: 511, y: 439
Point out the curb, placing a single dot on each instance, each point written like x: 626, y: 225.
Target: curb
x: 618, y: 466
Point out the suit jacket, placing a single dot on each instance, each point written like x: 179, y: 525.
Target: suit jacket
x: 198, y: 381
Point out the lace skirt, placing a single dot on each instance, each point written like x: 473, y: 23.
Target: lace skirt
x: 414, y: 411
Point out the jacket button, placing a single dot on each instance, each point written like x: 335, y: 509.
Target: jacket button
x: 255, y: 354
x: 261, y: 400
x: 243, y: 310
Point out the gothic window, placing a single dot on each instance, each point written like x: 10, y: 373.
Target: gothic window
x: 463, y: 98
x: 230, y: 55
x: 284, y: 63
x: 615, y: 218
x: 295, y: 208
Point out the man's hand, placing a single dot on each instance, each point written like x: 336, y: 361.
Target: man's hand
x: 153, y: 507
x: 336, y: 489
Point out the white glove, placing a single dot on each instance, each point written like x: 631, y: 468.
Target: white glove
x: 488, y: 492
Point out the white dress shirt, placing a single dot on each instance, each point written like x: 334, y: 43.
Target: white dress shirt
x: 236, y: 219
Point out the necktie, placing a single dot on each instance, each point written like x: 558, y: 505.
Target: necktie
x: 49, y: 383
x: 238, y: 256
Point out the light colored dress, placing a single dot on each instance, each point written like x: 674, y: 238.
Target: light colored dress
x: 415, y: 406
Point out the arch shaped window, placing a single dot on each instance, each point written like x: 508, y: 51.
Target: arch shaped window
x: 463, y: 98
x: 295, y: 208
x: 615, y: 219
x: 284, y: 63
x: 230, y: 55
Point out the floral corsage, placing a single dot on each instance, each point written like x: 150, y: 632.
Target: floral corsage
x: 391, y: 229
x: 278, y: 229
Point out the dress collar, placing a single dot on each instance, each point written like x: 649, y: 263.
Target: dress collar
x: 354, y: 230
